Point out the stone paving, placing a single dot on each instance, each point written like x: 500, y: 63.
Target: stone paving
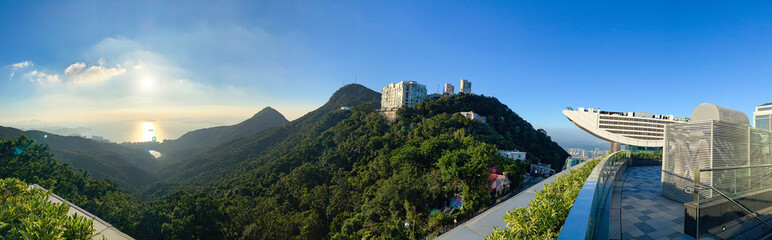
x: 645, y: 213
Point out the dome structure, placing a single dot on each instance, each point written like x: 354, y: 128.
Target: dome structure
x: 709, y: 111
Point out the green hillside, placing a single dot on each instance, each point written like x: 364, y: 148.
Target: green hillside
x: 33, y: 163
x: 513, y: 132
x: 198, y: 141
x: 223, y: 160
x: 352, y: 174
x: 130, y: 168
x: 331, y: 174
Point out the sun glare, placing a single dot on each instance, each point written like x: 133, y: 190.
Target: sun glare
x: 148, y: 131
x: 147, y: 83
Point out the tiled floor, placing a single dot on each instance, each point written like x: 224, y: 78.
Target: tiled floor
x: 646, y: 214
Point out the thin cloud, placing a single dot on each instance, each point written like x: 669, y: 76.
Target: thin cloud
x: 17, y: 66
x: 43, y: 78
x: 79, y: 72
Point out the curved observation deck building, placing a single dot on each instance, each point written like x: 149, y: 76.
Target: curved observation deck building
x: 631, y: 129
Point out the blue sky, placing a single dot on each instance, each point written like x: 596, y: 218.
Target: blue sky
x: 195, y: 64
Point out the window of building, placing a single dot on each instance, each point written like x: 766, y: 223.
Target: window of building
x: 763, y: 123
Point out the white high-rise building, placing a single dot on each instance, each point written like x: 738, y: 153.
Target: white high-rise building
x: 449, y: 89
x: 762, y: 117
x: 404, y: 93
x: 466, y: 87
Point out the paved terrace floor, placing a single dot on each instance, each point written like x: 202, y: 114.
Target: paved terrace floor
x: 645, y: 213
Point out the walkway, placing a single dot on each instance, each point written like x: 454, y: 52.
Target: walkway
x: 645, y: 213
x: 483, y: 224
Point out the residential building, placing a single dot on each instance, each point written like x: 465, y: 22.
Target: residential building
x: 583, y: 153
x: 762, y: 117
x: 99, y: 138
x: 513, y: 154
x: 404, y: 93
x: 542, y: 170
x: 465, y: 87
x: 634, y: 131
x: 498, y: 183
x: 448, y: 89
x: 474, y: 116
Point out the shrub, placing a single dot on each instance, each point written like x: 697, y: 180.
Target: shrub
x: 643, y: 155
x: 547, y: 212
x: 26, y: 213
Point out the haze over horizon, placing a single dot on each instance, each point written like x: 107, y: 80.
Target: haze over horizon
x: 108, y: 67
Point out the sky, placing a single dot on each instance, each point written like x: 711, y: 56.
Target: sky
x: 104, y: 67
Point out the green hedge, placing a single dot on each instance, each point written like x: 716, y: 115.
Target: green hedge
x: 547, y: 212
x: 641, y: 155
x: 26, y: 213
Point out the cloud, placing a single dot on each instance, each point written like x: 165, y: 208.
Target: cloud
x: 79, y: 72
x: 18, y: 66
x: 43, y: 78
x: 180, y: 87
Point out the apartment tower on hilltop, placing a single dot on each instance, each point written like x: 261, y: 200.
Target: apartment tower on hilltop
x: 449, y: 89
x: 404, y: 93
x: 466, y: 87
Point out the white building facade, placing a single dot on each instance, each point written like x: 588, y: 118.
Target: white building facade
x: 513, y: 154
x: 466, y: 87
x: 762, y: 117
x: 449, y: 89
x: 404, y: 93
x: 473, y: 116
x: 633, y: 129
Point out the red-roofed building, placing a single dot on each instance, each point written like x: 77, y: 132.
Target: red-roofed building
x: 499, y: 183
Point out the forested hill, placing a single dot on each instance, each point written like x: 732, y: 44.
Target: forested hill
x: 198, y: 141
x: 219, y: 162
x: 515, y: 132
x: 331, y: 174
x: 23, y: 158
x: 337, y: 174
x: 130, y: 168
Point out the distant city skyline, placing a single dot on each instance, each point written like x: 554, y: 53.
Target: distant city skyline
x: 109, y: 66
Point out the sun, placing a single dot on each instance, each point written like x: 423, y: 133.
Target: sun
x: 148, y: 131
x: 147, y: 83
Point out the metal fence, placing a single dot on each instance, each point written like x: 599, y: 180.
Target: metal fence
x: 737, y: 159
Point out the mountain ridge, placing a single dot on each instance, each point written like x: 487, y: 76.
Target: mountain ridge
x: 129, y: 168
x: 198, y: 141
x: 234, y: 153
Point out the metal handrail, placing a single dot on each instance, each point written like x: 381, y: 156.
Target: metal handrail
x: 753, y: 214
x: 732, y: 168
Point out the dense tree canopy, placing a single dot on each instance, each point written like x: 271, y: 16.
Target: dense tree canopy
x: 332, y: 174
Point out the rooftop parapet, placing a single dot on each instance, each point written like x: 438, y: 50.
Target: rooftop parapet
x: 629, y: 114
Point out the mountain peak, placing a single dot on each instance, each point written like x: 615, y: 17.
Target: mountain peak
x: 267, y: 110
x: 351, y: 95
x: 267, y: 114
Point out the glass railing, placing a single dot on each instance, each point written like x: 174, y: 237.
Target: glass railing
x: 738, y: 205
x: 591, y: 213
